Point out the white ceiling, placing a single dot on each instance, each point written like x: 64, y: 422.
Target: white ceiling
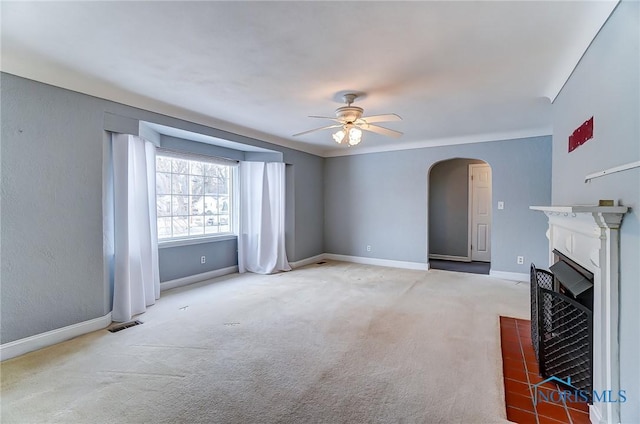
x: 455, y: 71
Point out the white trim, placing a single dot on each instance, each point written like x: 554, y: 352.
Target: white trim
x: 378, y: 262
x: 39, y: 341
x: 449, y: 257
x: 185, y: 281
x: 514, y: 276
x: 449, y: 141
x: 595, y: 416
x: 307, y: 261
x: 196, y: 240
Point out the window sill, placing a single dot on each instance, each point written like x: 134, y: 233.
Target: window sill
x: 198, y: 240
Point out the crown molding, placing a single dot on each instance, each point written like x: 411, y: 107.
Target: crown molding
x: 448, y: 141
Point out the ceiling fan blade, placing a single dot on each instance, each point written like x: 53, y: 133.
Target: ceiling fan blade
x: 325, y: 117
x: 381, y: 130
x: 317, y: 129
x: 381, y: 118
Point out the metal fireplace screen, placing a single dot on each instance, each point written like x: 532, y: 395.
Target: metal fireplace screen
x: 544, y: 279
x: 565, y: 339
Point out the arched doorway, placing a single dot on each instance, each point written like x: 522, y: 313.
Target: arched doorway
x: 459, y: 215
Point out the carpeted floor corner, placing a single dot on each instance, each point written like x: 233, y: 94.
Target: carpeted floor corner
x: 332, y: 343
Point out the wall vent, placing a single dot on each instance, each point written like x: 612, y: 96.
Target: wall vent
x: 124, y: 326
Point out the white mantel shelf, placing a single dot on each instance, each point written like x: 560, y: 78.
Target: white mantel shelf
x: 581, y: 209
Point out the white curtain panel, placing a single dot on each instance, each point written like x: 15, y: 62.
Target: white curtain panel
x: 261, y: 247
x: 136, y: 274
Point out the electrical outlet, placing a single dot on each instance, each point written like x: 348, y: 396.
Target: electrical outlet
x: 203, y: 259
x: 520, y: 260
x: 500, y: 205
x: 368, y: 248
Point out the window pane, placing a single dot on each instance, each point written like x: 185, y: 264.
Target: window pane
x: 197, y: 205
x: 211, y: 229
x: 196, y: 225
x: 180, y: 205
x: 196, y: 168
x: 164, y: 228
x: 210, y: 170
x: 163, y: 183
x: 180, y: 227
x: 209, y: 186
x: 209, y: 205
x: 179, y: 184
x: 223, y: 204
x: 180, y: 166
x: 163, y: 205
x: 163, y: 164
x: 223, y: 185
x: 196, y: 185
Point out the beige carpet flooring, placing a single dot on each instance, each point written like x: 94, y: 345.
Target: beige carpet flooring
x: 332, y: 343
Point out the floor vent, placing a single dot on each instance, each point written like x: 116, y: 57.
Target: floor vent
x: 321, y: 263
x: 124, y: 326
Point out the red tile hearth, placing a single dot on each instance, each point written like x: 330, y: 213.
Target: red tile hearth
x: 520, y: 370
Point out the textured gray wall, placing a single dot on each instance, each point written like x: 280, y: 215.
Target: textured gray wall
x: 605, y: 85
x: 380, y: 199
x: 309, y: 179
x: 53, y: 261
x: 449, y: 207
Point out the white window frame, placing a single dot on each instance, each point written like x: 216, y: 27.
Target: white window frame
x: 185, y: 239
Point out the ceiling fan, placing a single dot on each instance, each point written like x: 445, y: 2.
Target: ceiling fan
x: 351, y: 123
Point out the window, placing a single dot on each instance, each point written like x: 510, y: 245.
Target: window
x: 194, y: 195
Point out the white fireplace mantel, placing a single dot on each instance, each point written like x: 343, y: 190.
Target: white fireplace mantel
x: 589, y: 235
x: 605, y: 216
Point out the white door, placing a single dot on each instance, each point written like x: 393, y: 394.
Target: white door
x: 480, y: 212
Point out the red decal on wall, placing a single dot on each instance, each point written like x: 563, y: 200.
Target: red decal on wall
x: 580, y: 136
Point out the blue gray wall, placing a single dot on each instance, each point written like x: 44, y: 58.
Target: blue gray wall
x: 449, y: 207
x: 183, y: 261
x: 53, y: 259
x: 605, y: 85
x: 380, y: 199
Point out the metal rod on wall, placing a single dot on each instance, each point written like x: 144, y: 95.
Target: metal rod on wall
x: 611, y: 171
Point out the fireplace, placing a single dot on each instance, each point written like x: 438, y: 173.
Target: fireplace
x: 585, y: 239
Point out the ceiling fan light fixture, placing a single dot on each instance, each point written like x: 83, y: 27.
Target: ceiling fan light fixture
x: 339, y: 136
x: 355, y: 136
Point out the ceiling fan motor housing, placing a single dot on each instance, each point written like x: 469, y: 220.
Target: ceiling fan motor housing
x: 349, y: 113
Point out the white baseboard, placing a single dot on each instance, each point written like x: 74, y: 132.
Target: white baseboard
x: 307, y: 261
x: 449, y: 258
x: 29, y: 344
x: 185, y: 281
x: 515, y: 276
x: 378, y: 262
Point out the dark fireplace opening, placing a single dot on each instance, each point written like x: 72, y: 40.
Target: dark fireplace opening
x: 572, y: 280
x: 562, y: 322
